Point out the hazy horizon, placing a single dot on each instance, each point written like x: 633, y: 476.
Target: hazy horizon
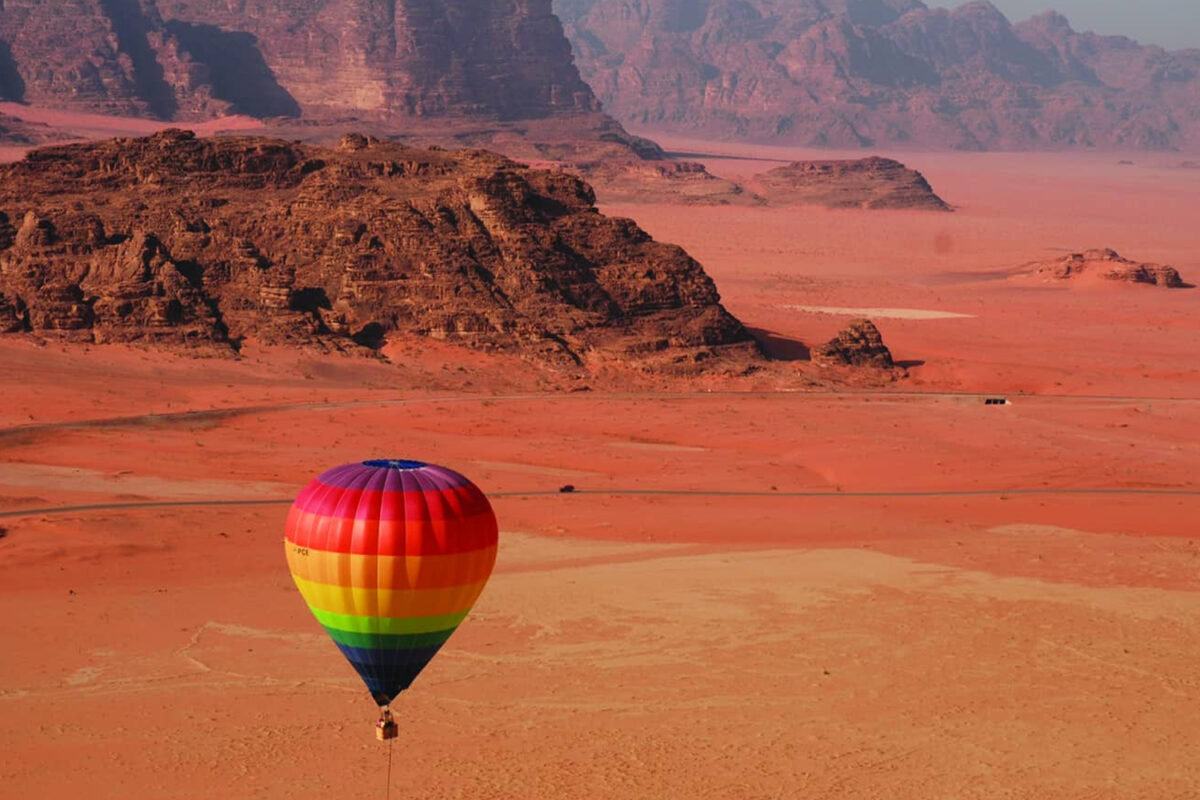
x: 1173, y: 24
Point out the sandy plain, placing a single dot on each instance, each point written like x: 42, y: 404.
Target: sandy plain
x: 891, y: 591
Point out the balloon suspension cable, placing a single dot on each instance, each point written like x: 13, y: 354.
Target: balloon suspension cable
x: 387, y: 795
x: 386, y: 730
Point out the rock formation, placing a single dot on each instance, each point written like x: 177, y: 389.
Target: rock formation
x: 865, y: 183
x: 10, y: 132
x: 1108, y: 265
x: 19, y: 133
x: 195, y: 59
x: 184, y: 241
x: 660, y: 180
x: 872, y: 72
x: 858, y: 345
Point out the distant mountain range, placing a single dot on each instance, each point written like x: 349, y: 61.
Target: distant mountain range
x: 823, y: 72
x: 875, y: 72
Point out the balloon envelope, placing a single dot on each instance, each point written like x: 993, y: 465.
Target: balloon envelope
x: 390, y: 556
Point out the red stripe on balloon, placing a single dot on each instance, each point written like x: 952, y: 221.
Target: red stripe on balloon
x: 331, y: 501
x: 391, y: 537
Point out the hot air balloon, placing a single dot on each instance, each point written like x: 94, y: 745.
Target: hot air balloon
x: 390, y: 555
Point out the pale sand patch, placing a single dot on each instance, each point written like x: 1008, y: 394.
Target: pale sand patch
x: 75, y: 479
x: 1022, y: 529
x: 662, y: 448
x: 104, y: 124
x: 509, y: 466
x: 524, y: 552
x: 731, y: 586
x: 881, y: 313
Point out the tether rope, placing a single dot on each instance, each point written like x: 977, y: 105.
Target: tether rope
x: 388, y: 792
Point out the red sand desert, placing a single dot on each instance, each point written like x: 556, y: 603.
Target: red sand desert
x: 759, y: 591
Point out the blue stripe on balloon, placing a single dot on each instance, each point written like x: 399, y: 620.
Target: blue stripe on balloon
x: 388, y: 672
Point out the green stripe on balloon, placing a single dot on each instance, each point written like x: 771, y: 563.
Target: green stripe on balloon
x: 389, y: 625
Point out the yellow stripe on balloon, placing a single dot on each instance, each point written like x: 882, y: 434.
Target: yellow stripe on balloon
x: 359, y: 601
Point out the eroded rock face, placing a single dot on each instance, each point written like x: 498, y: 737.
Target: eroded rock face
x: 858, y: 345
x: 182, y: 240
x: 419, y: 57
x: 1109, y: 265
x: 103, y: 56
x: 871, y: 72
x: 196, y: 59
x: 865, y: 183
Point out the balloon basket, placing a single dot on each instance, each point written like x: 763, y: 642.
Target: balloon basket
x: 386, y: 727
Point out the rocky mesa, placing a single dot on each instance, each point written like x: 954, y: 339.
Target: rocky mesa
x: 185, y: 241
x: 1105, y: 264
x: 863, y: 73
x: 869, y: 183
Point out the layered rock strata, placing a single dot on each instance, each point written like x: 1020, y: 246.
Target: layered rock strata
x: 872, y: 183
x: 184, y: 241
x: 196, y: 59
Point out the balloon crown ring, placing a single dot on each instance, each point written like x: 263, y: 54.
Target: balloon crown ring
x: 394, y: 463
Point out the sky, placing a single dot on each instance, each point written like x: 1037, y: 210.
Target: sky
x: 1171, y: 23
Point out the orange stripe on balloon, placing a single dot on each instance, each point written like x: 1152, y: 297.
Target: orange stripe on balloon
x: 391, y: 572
x: 339, y: 599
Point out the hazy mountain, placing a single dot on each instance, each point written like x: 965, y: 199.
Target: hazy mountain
x: 866, y: 72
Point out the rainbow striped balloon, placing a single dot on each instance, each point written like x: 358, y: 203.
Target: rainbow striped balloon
x: 390, y: 556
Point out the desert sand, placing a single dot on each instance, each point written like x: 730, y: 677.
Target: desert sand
x: 89, y: 126
x: 891, y: 592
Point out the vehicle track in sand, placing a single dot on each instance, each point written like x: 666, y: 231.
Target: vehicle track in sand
x: 860, y: 495
x: 201, y: 416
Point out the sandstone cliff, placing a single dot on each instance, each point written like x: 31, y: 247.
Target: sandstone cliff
x: 194, y: 59
x: 187, y: 241
x: 393, y: 57
x: 871, y: 72
x: 103, y: 56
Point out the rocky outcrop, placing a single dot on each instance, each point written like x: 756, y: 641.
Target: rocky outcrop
x: 873, y: 72
x: 1107, y: 265
x: 10, y: 133
x: 858, y: 345
x: 195, y: 59
x: 23, y: 134
x: 184, y: 241
x: 873, y: 183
